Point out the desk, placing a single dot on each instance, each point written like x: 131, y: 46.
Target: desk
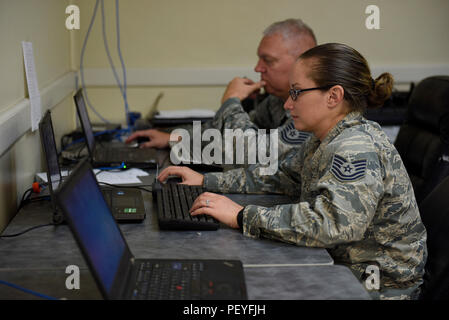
x: 147, y: 241
x: 46, y: 250
x: 263, y: 283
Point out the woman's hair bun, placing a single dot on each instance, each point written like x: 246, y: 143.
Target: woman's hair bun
x: 381, y: 90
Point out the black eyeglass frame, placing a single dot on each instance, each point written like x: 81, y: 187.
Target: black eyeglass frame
x: 294, y: 93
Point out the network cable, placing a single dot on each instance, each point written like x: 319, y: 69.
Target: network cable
x: 40, y: 295
x: 119, y: 50
x: 123, y: 88
x: 82, y: 63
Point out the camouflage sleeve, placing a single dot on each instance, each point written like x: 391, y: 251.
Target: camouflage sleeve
x: 338, y: 210
x: 254, y: 179
x: 269, y: 113
x: 230, y: 115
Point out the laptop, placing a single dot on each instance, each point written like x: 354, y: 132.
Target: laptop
x: 126, y: 204
x: 118, y: 274
x: 109, y: 156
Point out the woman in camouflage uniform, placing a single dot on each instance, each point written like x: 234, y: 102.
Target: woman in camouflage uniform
x: 354, y: 196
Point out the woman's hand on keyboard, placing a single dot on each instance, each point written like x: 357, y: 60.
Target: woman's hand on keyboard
x: 188, y: 176
x: 220, y: 207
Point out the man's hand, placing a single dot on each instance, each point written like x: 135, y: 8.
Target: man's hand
x: 188, y: 176
x: 158, y: 139
x: 241, y: 88
x: 220, y: 207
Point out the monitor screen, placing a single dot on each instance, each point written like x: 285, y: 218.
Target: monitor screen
x: 51, y: 155
x: 92, y: 221
x: 85, y: 122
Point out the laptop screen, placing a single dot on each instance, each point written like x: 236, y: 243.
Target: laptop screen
x: 85, y: 122
x: 51, y: 155
x: 91, y: 220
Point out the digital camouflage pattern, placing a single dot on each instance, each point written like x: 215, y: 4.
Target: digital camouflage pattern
x: 268, y: 114
x: 354, y: 197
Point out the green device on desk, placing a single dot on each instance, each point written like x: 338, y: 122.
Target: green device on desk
x: 118, y: 274
x: 126, y: 204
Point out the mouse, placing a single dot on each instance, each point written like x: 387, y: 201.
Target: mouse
x: 141, y: 140
x: 133, y: 145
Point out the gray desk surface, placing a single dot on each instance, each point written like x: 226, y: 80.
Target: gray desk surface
x: 37, y: 247
x: 273, y: 270
x: 263, y: 283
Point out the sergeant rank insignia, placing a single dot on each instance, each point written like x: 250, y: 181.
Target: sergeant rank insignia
x: 346, y: 171
x: 292, y: 136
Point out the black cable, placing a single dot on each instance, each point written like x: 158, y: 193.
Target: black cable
x: 27, y: 230
x: 129, y: 187
x: 24, y: 197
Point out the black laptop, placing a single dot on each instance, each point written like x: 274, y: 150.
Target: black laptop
x: 109, y: 156
x: 119, y: 275
x: 126, y: 204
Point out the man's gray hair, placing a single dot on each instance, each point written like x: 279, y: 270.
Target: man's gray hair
x: 289, y: 29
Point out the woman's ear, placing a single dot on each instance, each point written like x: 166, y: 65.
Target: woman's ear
x: 335, y: 96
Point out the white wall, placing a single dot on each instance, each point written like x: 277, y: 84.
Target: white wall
x: 42, y: 23
x: 180, y: 47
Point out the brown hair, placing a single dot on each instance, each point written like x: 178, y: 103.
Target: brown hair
x: 339, y: 64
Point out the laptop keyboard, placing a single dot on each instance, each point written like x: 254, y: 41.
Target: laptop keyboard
x: 168, y: 280
x: 174, y: 201
x: 118, y: 154
x: 121, y: 154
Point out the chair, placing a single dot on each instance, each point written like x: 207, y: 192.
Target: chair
x: 423, y: 140
x: 434, y: 211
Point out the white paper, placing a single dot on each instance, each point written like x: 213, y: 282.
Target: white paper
x: 180, y: 114
x: 42, y: 176
x: 120, y: 177
x: 33, y: 88
x: 129, y: 176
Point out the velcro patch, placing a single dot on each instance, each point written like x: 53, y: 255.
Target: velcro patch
x: 290, y: 135
x: 346, y: 171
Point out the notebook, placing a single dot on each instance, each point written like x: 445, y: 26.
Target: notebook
x: 126, y: 204
x: 108, y: 156
x: 119, y: 275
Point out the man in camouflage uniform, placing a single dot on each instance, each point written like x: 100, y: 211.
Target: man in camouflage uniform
x: 353, y: 198
x: 282, y: 43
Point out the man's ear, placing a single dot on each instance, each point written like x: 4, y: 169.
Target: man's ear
x: 335, y: 96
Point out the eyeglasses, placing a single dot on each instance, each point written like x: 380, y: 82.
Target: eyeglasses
x: 294, y: 93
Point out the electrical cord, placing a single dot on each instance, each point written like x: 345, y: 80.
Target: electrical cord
x: 123, y: 88
x: 27, y: 230
x: 25, y: 200
x: 119, y: 51
x: 15, y: 286
x: 26, y: 197
x: 83, y: 85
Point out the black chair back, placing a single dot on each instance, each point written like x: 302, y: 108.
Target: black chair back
x: 423, y: 139
x: 434, y: 211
